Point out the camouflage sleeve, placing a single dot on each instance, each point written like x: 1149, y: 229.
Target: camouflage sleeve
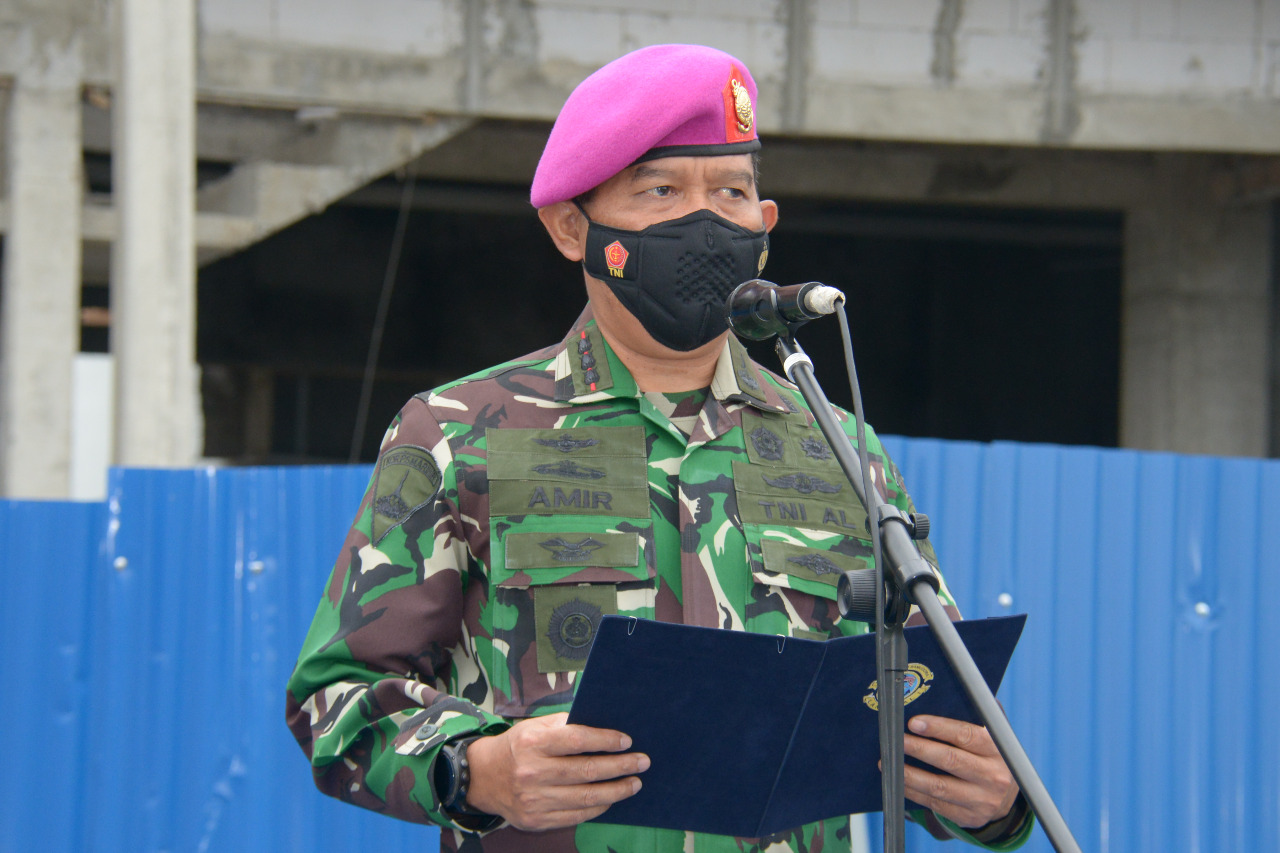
x: 368, y: 700
x: 1007, y: 833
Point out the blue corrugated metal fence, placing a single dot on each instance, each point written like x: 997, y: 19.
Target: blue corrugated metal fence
x: 147, y: 641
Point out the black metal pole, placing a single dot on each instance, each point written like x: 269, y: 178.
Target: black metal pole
x: 910, y: 573
x: 891, y: 664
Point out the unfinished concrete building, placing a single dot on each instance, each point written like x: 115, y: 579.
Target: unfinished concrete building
x: 1055, y: 219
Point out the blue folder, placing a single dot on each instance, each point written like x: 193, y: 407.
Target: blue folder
x: 751, y: 734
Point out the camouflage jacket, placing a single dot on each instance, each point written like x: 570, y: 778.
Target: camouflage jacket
x: 510, y: 510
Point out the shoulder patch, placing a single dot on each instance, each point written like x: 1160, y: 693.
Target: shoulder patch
x: 408, y: 479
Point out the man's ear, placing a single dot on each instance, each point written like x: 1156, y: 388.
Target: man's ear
x: 567, y: 227
x: 769, y: 212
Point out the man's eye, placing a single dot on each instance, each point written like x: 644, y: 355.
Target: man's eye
x: 734, y: 192
x: 661, y: 192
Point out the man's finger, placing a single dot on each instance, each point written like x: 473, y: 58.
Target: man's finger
x: 552, y: 735
x: 575, y: 740
x: 937, y: 788
x: 955, y: 799
x: 585, y: 769
x: 945, y: 757
x: 570, y: 805
x: 966, y: 736
x: 971, y: 789
x: 601, y: 794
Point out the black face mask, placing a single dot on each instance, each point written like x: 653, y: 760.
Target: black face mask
x: 675, y: 276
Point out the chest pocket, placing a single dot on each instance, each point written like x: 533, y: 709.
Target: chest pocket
x: 804, y: 527
x: 569, y: 525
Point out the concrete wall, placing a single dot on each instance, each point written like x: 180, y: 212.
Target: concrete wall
x: 1144, y: 74
x: 1182, y: 74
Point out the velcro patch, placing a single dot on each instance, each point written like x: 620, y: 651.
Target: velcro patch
x: 408, y: 479
x: 810, y: 564
x: 559, y: 551
x: 567, y: 617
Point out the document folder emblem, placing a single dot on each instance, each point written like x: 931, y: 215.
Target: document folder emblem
x: 915, y: 683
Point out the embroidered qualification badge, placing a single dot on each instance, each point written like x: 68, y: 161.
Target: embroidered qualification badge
x: 567, y: 443
x: 767, y: 443
x: 566, y: 619
x: 408, y: 479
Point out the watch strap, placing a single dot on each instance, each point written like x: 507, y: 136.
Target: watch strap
x: 453, y: 779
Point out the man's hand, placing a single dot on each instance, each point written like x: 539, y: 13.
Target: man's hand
x: 980, y: 787
x: 536, y: 776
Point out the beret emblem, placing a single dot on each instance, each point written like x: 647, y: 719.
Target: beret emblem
x: 742, y: 107
x: 739, y: 115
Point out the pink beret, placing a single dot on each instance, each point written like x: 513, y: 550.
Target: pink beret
x: 665, y: 100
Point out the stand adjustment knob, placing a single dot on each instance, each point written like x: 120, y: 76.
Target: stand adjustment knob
x: 919, y: 525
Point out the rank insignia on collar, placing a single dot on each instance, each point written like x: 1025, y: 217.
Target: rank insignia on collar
x: 567, y: 443
x: 804, y: 484
x: 816, y: 563
x: 767, y: 443
x: 564, y: 551
x: 815, y: 448
x: 915, y: 683
x: 585, y: 357
x: 569, y: 468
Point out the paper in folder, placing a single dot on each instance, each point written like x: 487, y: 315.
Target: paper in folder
x: 751, y: 734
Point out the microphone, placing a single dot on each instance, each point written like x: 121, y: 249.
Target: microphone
x: 759, y: 310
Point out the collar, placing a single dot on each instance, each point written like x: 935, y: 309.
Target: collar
x: 587, y: 371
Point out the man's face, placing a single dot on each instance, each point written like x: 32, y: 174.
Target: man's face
x: 644, y: 195
x: 671, y: 187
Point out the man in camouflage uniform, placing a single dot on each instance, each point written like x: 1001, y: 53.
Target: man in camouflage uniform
x: 643, y: 466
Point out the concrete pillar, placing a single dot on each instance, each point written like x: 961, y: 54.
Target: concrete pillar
x: 259, y: 413
x: 153, y: 261
x: 39, y: 317
x: 1195, y: 352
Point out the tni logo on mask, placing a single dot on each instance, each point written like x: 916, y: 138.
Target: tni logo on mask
x: 615, y: 256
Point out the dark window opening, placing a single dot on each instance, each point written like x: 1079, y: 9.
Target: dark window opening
x: 968, y: 323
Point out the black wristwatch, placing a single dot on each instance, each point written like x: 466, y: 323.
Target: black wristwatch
x: 453, y: 776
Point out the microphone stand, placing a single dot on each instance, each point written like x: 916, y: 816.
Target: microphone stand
x: 908, y: 579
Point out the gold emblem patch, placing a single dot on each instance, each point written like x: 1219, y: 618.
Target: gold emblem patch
x: 915, y: 683
x: 742, y: 107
